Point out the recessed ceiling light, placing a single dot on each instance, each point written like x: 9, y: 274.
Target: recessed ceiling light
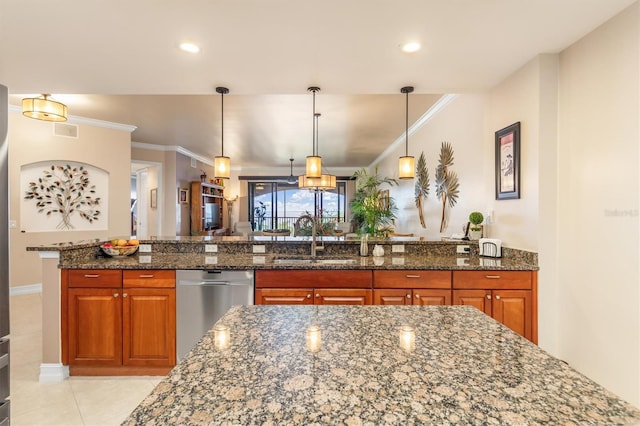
x: 410, y: 47
x: 189, y: 47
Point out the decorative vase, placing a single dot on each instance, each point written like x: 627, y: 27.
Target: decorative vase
x: 475, y: 235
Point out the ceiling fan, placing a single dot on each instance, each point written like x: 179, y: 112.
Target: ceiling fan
x: 291, y: 179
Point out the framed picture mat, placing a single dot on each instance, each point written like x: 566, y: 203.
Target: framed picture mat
x: 183, y: 196
x: 507, y: 169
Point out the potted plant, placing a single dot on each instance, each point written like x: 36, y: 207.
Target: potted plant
x: 475, y: 229
x: 373, y: 212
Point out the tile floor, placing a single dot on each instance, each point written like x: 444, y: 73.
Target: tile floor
x: 99, y: 401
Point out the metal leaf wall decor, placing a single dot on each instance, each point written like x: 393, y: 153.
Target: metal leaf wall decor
x: 65, y: 190
x: 421, y: 187
x: 447, y: 186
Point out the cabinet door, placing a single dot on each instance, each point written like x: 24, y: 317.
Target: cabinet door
x: 284, y: 296
x: 342, y: 296
x: 431, y: 297
x: 513, y: 308
x: 481, y: 299
x: 149, y: 327
x: 392, y: 297
x: 95, y: 326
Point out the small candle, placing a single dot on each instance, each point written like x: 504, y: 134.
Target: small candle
x: 314, y: 338
x: 407, y: 340
x: 222, y: 337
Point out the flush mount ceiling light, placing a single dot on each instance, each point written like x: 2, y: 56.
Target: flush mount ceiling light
x: 44, y: 109
x: 189, y: 47
x: 314, y: 162
x: 406, y: 164
x: 410, y: 47
x: 222, y: 164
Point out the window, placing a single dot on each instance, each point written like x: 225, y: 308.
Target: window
x: 278, y: 205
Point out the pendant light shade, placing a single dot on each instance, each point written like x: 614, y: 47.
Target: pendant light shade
x: 406, y: 164
x: 44, y: 109
x: 222, y: 164
x: 324, y: 181
x: 314, y: 162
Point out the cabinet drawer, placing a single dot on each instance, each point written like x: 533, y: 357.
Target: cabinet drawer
x: 313, y: 278
x: 96, y: 278
x: 497, y: 280
x: 141, y: 278
x: 412, y: 279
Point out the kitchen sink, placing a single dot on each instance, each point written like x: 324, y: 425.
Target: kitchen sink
x: 309, y: 260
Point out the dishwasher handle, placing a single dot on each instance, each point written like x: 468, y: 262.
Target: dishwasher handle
x: 211, y: 283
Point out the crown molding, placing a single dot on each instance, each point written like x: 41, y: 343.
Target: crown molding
x: 75, y: 119
x: 173, y: 148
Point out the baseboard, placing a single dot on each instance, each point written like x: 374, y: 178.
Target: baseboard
x: 25, y: 289
x: 53, y: 373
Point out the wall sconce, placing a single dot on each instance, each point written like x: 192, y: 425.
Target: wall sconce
x: 407, y: 338
x: 221, y: 337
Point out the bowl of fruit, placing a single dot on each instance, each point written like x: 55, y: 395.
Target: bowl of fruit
x: 120, y: 247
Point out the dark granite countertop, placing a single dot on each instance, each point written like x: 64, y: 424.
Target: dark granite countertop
x: 269, y: 261
x: 462, y: 368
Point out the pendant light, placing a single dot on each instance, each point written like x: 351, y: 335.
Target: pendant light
x: 314, y: 162
x: 222, y: 164
x: 406, y: 164
x: 44, y: 109
x: 325, y: 181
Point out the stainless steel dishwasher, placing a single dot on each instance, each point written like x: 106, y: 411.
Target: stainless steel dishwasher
x: 202, y: 297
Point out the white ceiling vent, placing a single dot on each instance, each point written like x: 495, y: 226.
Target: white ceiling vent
x: 65, y: 130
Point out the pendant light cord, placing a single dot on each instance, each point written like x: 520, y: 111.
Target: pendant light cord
x: 222, y: 91
x: 406, y: 90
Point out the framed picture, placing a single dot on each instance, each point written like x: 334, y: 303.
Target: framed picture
x: 153, y: 198
x: 508, y: 162
x: 183, y: 196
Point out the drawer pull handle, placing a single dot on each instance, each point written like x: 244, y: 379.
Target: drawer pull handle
x: 309, y: 296
x: 146, y: 276
x: 488, y: 296
x: 497, y: 297
x: 317, y: 295
x: 116, y: 294
x: 408, y: 296
x: 124, y: 294
x: 91, y: 276
x: 417, y: 296
x: 412, y: 276
x: 492, y: 277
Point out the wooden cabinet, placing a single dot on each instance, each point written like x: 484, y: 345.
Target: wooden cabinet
x: 412, y: 287
x: 308, y: 287
x: 206, y: 207
x: 119, y: 322
x: 507, y: 296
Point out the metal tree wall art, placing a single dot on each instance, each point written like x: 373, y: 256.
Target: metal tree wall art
x: 422, y: 186
x: 65, y: 190
x: 447, y: 187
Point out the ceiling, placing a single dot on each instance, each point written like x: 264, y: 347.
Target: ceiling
x: 119, y: 61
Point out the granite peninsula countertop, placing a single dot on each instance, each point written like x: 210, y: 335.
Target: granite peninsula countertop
x: 270, y: 261
x: 463, y: 368
x: 236, y: 253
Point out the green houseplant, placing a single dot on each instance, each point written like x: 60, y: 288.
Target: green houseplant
x: 373, y: 210
x: 475, y: 229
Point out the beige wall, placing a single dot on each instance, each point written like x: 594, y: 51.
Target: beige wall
x: 33, y: 141
x: 599, y: 313
x: 461, y: 124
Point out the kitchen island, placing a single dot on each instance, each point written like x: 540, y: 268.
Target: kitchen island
x: 373, y: 365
